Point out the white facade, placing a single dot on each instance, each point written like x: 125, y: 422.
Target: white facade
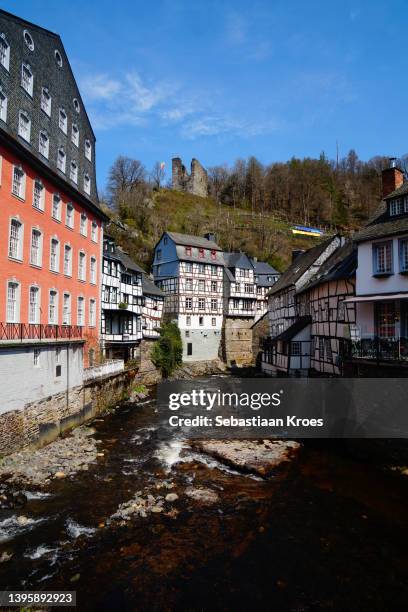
x: 152, y: 315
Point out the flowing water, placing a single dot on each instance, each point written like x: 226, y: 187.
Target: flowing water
x: 330, y: 533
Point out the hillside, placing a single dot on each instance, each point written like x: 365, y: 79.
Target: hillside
x: 266, y: 236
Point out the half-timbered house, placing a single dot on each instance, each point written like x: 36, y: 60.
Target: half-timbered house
x: 122, y: 303
x: 265, y: 276
x: 239, y: 286
x: 152, y: 311
x: 189, y: 270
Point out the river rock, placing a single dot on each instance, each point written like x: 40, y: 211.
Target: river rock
x: 260, y: 457
x: 22, y: 520
x: 203, y: 496
x: 171, y: 497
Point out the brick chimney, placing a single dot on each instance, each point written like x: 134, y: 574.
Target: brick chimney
x: 392, y: 178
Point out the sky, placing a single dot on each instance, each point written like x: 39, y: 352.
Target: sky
x: 218, y: 80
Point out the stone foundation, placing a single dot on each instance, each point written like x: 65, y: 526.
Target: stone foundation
x: 147, y: 373
x: 260, y: 330
x: 237, y: 341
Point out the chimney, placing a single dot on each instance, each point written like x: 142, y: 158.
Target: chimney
x: 210, y: 236
x: 296, y: 253
x: 392, y: 178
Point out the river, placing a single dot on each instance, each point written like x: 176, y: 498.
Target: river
x: 328, y: 534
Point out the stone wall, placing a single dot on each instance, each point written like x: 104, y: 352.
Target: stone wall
x: 147, y: 373
x: 260, y: 330
x: 195, y: 183
x: 42, y: 421
x: 237, y: 341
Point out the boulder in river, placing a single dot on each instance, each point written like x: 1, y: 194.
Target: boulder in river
x: 203, y: 496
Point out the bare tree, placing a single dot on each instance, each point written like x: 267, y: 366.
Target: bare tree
x: 157, y: 174
x: 125, y: 176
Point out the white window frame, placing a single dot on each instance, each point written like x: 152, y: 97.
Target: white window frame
x: 81, y: 321
x: 21, y: 193
x: 44, y: 150
x: 82, y: 266
x: 66, y: 308
x: 38, y: 261
x: 75, y: 134
x: 56, y: 197
x: 5, y: 54
x: 46, y: 101
x: 61, y: 160
x: 25, y: 132
x: 18, y: 255
x: 28, y: 39
x: 53, y: 321
x: 94, y: 232
x: 27, y: 82
x: 88, y: 149
x: 70, y: 218
x: 58, y: 58
x: 92, y: 270
x: 77, y: 106
x: 38, y: 183
x: 67, y: 269
x: 87, y: 183
x: 3, y: 105
x: 73, y: 171
x: 83, y: 225
x: 92, y: 313
x: 55, y: 263
x: 34, y: 320
x: 63, y: 123
x: 16, y: 312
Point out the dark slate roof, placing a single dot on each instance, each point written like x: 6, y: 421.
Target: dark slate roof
x: 403, y: 190
x: 262, y: 267
x: 294, y: 329
x: 381, y: 227
x: 150, y: 288
x: 301, y: 264
x: 194, y: 241
x: 127, y: 261
x: 237, y: 260
x: 341, y: 264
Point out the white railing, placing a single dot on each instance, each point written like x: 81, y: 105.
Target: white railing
x: 111, y: 366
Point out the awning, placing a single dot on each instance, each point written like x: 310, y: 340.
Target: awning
x: 384, y: 297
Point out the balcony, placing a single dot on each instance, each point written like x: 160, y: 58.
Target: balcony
x: 38, y: 332
x: 109, y: 367
x: 380, y: 349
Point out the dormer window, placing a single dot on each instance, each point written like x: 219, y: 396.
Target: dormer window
x: 87, y: 184
x: 24, y: 126
x: 4, y: 52
x: 188, y: 250
x: 61, y: 160
x: 396, y: 207
x: 63, y: 121
x: 46, y: 101
x: 44, y: 144
x: 73, y: 173
x: 201, y: 252
x: 75, y: 134
x: 28, y: 40
x: 27, y: 79
x: 88, y: 150
x: 213, y: 254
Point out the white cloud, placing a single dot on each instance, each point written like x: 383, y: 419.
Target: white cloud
x: 99, y: 87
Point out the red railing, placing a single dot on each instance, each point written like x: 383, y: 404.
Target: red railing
x: 39, y: 331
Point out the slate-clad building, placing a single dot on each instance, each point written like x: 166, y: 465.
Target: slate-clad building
x: 50, y: 223
x: 265, y: 276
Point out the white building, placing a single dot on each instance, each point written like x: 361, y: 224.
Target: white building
x: 122, y: 303
x: 265, y: 277
x: 152, y: 311
x: 239, y: 286
x: 189, y: 270
x: 381, y: 333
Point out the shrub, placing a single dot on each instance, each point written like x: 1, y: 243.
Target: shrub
x: 168, y: 351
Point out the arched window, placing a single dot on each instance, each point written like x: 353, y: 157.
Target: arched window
x: 44, y: 144
x: 28, y: 39
x: 16, y: 239
x: 24, y: 126
x: 27, y: 79
x: 58, y: 58
x: 61, y: 160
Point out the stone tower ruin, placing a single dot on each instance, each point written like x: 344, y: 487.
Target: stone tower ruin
x: 195, y: 183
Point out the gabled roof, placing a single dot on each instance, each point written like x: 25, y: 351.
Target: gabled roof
x: 294, y: 329
x: 301, y: 264
x: 237, y: 260
x: 381, y: 227
x: 127, y: 261
x: 262, y: 267
x: 341, y: 264
x: 398, y: 192
x: 149, y: 288
x: 194, y: 241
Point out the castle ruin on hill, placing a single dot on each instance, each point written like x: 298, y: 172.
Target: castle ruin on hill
x: 195, y: 183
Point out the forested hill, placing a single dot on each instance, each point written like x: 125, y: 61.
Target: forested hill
x: 250, y: 206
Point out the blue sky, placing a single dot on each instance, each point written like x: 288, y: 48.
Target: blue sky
x: 221, y: 80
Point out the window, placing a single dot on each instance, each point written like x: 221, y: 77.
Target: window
x: 396, y: 207
x: 62, y: 120
x: 213, y: 254
x: 75, y: 134
x: 159, y: 254
x: 296, y: 349
x: 201, y: 252
x: 165, y: 240
x: 189, y: 267
x: 94, y: 231
x: 3, y: 106
x: 16, y: 240
x: 403, y: 255
x: 13, y: 314
x: 341, y: 310
x: 187, y: 333
x: 201, y: 268
x: 213, y: 321
x: 69, y: 216
x: 80, y: 311
x: 58, y: 58
x: 189, y: 349
x: 188, y: 320
x: 54, y: 255
x: 56, y: 207
x: 46, y: 101
x: 249, y: 288
x: 76, y: 105
x: 385, y: 319
x: 201, y: 321
x: 38, y: 195
x: 83, y: 228
x: 82, y: 266
x: 189, y: 303
x: 66, y: 309
x: 36, y: 357
x: 73, y: 172
x: 213, y: 286
x: 36, y: 247
x: 44, y: 144
x: 235, y: 304
x: 382, y: 258
x: 24, y: 126
x: 34, y: 305
x: 27, y: 79
x: 67, y: 260
x: 53, y: 307
x: 61, y: 160
x: 93, y: 270
x: 88, y: 149
x: 4, y: 52
x: 92, y: 313
x: 189, y: 284
x: 18, y: 185
x: 214, y: 304
x: 28, y: 40
x: 201, y: 303
x: 329, y: 353
x: 201, y: 285
x: 87, y: 184
x: 321, y: 348
x: 58, y: 356
x: 214, y: 271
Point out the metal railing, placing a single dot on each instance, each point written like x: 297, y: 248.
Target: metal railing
x: 38, y: 331
x: 379, y: 349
